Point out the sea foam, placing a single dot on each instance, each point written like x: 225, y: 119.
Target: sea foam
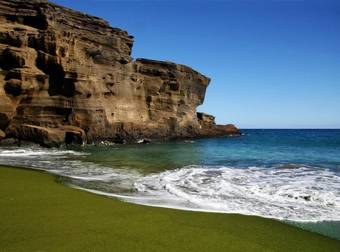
x: 300, y: 194
x: 286, y: 192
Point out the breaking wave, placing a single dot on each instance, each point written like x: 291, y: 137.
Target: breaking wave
x: 299, y: 194
x: 286, y: 192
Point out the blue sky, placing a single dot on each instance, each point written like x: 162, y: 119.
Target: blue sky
x: 273, y: 64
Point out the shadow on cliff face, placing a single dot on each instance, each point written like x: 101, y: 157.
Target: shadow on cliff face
x: 10, y: 60
x: 39, y: 21
x: 58, y: 84
x: 4, y: 121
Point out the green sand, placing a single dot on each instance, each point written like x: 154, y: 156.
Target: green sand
x: 39, y: 214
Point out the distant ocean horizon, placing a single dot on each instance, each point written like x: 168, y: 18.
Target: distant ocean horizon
x: 292, y: 175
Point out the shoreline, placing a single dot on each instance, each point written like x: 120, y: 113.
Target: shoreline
x: 32, y: 213
x: 126, y: 199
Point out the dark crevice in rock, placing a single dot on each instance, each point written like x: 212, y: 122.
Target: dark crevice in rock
x: 68, y: 88
x: 174, y: 86
x: 9, y: 60
x: 7, y: 39
x: 38, y: 21
x: 72, y: 138
x: 58, y: 84
x: 148, y: 101
x: 65, y: 112
x: 44, y: 42
x: 13, y: 75
x: 13, y: 87
x: 4, y: 121
x: 109, y: 86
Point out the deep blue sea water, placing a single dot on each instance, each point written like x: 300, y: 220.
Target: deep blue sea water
x: 290, y: 175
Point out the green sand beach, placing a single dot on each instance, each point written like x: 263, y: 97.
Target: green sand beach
x: 38, y: 213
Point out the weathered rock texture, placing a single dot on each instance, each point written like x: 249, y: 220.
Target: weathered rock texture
x: 69, y: 77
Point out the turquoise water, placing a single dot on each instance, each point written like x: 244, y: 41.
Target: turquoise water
x: 255, y: 148
x: 290, y: 175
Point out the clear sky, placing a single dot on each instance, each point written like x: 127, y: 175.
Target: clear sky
x: 273, y: 64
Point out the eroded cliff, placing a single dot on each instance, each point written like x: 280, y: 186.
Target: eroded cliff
x: 69, y: 77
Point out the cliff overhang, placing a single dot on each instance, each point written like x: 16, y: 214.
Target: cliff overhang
x: 68, y: 77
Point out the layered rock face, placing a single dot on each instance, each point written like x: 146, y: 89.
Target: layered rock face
x: 67, y: 77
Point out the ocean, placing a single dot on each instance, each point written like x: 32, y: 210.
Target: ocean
x: 289, y: 175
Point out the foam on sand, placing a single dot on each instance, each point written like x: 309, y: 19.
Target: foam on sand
x: 300, y: 194
x: 294, y: 192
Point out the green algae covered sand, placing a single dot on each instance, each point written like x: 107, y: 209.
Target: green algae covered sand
x: 39, y: 214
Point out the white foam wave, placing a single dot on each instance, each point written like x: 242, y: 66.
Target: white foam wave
x: 286, y: 192
x: 303, y: 194
x: 69, y: 164
x: 37, y: 152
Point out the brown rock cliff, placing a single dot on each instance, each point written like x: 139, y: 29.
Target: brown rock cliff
x: 69, y: 77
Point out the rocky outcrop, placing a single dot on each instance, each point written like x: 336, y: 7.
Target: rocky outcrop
x: 208, y: 127
x: 67, y: 77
